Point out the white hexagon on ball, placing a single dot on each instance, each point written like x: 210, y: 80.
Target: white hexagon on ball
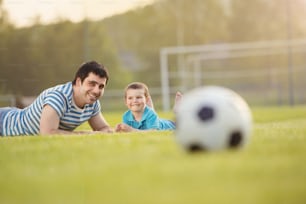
x: 212, y: 118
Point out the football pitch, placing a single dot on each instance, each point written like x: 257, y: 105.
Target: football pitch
x: 151, y: 168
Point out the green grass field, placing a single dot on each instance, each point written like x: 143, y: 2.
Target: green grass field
x: 150, y: 168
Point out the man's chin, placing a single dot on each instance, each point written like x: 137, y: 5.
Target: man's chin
x: 91, y: 101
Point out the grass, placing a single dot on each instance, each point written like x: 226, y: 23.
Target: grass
x: 151, y: 168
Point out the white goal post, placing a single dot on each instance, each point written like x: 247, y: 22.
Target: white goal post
x: 193, y: 55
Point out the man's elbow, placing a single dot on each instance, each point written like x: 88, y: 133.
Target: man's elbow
x: 44, y: 131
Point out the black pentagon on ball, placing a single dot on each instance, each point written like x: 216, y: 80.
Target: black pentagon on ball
x: 196, y: 148
x: 206, y: 113
x: 235, y: 139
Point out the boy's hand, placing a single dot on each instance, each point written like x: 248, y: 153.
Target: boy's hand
x: 123, y: 128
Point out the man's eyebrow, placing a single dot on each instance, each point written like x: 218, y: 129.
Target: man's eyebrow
x: 95, y: 82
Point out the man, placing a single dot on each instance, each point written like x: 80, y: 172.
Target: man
x: 60, y: 109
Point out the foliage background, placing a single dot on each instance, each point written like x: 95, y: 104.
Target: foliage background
x: 39, y: 56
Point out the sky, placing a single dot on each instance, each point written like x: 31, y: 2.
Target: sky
x: 23, y: 12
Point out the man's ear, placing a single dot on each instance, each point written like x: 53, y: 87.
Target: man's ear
x: 78, y: 81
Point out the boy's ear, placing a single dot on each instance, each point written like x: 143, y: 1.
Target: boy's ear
x: 124, y: 99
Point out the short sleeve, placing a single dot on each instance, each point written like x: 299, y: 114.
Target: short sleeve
x: 57, y: 101
x: 152, y: 121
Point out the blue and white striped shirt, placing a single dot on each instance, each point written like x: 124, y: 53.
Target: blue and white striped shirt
x: 27, y: 121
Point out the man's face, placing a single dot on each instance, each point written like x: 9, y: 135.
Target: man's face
x: 90, y: 90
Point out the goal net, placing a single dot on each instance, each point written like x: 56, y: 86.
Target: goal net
x: 265, y: 72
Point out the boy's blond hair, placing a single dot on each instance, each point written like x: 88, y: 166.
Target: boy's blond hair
x: 138, y: 85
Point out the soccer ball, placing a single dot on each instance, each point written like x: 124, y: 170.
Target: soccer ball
x: 212, y: 118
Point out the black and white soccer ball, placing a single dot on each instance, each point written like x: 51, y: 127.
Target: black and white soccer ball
x: 212, y: 118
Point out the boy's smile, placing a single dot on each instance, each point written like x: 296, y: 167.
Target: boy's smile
x: 135, y: 100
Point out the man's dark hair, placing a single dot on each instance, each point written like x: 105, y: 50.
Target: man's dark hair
x: 91, y: 67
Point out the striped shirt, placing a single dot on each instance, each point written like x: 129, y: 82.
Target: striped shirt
x: 27, y: 121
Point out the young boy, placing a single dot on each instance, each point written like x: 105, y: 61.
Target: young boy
x: 141, y: 115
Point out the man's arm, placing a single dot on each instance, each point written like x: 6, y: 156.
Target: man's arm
x: 49, y: 122
x: 98, y: 123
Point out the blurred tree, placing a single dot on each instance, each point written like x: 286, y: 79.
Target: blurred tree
x: 6, y: 29
x: 128, y: 44
x: 42, y: 56
x: 142, y: 32
x: 265, y: 20
x: 296, y: 14
x: 101, y: 48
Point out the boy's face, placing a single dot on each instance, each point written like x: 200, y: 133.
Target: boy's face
x: 135, y: 100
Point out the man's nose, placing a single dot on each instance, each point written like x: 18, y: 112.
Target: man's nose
x: 97, y: 89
